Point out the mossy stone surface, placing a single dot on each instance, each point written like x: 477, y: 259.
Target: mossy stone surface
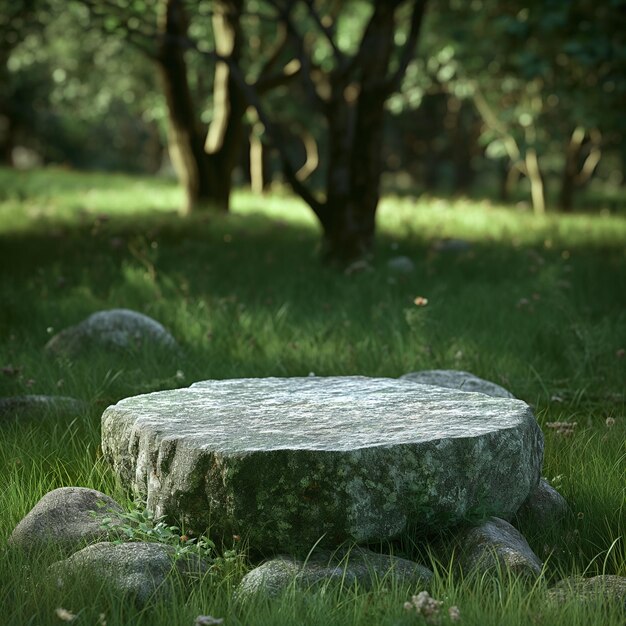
x: 285, y: 462
x: 458, y: 379
x: 135, y: 569
x: 343, y: 568
x: 112, y: 330
x: 68, y: 517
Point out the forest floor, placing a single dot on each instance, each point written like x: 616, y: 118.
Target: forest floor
x: 536, y: 304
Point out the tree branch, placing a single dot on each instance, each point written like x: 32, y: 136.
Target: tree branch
x: 593, y: 158
x: 306, y: 64
x: 491, y: 120
x: 362, y: 59
x: 288, y: 73
x: 271, y: 133
x: 312, y: 155
x: 340, y: 57
x: 417, y: 18
x: 274, y: 54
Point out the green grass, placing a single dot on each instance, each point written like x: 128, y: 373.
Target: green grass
x: 536, y: 304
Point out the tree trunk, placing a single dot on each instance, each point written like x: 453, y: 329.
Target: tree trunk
x: 205, y: 171
x: 355, y: 122
x: 536, y: 182
x: 349, y: 231
x: 465, y: 135
x: 352, y: 97
x: 509, y: 179
x: 6, y: 140
x: 576, y: 175
x: 225, y: 134
x: 258, y: 162
x: 348, y: 219
x: 353, y: 180
x: 570, y: 170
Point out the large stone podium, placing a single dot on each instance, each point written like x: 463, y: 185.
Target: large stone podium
x: 285, y: 462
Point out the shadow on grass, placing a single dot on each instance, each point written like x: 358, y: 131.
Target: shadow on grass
x: 247, y: 295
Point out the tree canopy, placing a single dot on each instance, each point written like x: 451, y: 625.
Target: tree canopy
x: 326, y: 95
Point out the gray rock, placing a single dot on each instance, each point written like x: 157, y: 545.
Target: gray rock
x: 544, y: 507
x: 35, y: 406
x: 116, y: 329
x: 452, y: 245
x: 68, y: 517
x: 456, y: 379
x: 607, y: 588
x: 287, y: 461
x: 137, y: 569
x: 401, y: 265
x: 345, y: 568
x: 496, y: 544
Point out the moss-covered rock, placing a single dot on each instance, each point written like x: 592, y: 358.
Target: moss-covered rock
x: 112, y: 330
x: 458, y: 379
x: 343, y: 568
x: 606, y: 588
x: 68, y: 517
x: 34, y: 406
x: 544, y: 507
x: 136, y: 569
x: 287, y: 462
x: 495, y: 545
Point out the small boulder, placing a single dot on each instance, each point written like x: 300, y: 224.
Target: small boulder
x: 493, y: 544
x: 69, y: 517
x: 116, y: 329
x: 342, y: 568
x: 544, y: 507
x: 401, y: 265
x: 607, y: 588
x: 451, y: 245
x: 457, y: 379
x: 137, y: 569
x: 36, y: 406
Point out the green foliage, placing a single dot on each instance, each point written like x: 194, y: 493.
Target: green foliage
x: 532, y: 74
x: 69, y: 90
x: 76, y: 91
x: 140, y: 524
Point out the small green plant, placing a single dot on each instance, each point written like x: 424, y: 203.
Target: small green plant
x: 140, y: 524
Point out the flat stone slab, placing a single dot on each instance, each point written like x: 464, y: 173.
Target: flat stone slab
x: 287, y: 461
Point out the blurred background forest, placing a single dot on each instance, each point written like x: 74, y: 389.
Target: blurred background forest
x: 522, y: 103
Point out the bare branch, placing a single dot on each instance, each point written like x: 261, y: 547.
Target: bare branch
x: 271, y: 131
x: 328, y: 32
x: 417, y: 17
x: 364, y: 56
x: 593, y: 158
x: 288, y: 73
x: 312, y: 155
x: 274, y: 55
x: 492, y: 121
x: 307, y: 65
